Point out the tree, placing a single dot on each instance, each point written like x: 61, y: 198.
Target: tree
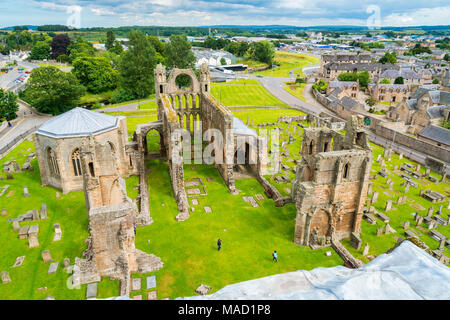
x: 348, y: 76
x: 179, y: 53
x: 136, y: 66
x: 8, y: 105
x: 436, y: 81
x: 59, y: 45
x: 364, y: 78
x: 388, y: 58
x: 371, y: 102
x: 223, y: 61
x: 110, y: 38
x: 51, y: 90
x: 95, y: 73
x: 262, y: 51
x: 447, y: 57
x: 399, y: 80
x: 40, y: 51
x: 117, y: 48
x: 81, y: 49
x: 385, y: 81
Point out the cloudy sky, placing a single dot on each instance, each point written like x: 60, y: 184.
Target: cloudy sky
x: 113, y: 13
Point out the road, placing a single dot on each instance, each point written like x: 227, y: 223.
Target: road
x: 7, y: 80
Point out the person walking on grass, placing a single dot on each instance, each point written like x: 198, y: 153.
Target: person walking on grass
x: 219, y: 244
x: 274, y: 256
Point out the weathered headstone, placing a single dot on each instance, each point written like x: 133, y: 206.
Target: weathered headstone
x: 388, y: 205
x: 91, y: 291
x: 53, y: 267
x: 136, y: 284
x: 46, y: 256
x: 33, y: 240
x: 66, y: 263
x: 35, y: 213
x: 379, y: 231
x: 138, y: 297
x: 44, y: 211
x: 25, y: 192
x: 58, y: 232
x: 4, y: 212
x: 375, y: 197
x: 16, y: 226
x: 151, y: 282
x: 152, y: 295
x: 406, y: 225
x: 58, y: 196
x: 207, y: 209
x: 19, y: 261
x: 203, y: 289
x: 194, y: 202
x: 430, y: 212
x: 5, y: 277
x: 23, y: 232
x: 419, y: 221
x: 366, y: 249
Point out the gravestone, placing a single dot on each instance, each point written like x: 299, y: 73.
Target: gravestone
x: 355, y: 240
x: 207, y: 209
x: 388, y: 205
x: 439, y: 211
x: 35, y: 213
x: 33, y: 240
x: 66, y: 263
x: 19, y: 261
x: 391, y: 185
x: 9, y: 176
x: 152, y: 295
x: 203, y: 289
x: 194, y: 202
x: 5, y: 277
x: 401, y: 200
x: 379, y: 231
x: 419, y: 221
x: 44, y: 211
x: 442, y: 244
x: 4, y: 212
x: 58, y: 232
x: 400, y: 156
x: 366, y: 249
x: 136, y: 284
x: 407, y: 187
x: 53, y: 267
x: 369, y: 189
x: 23, y: 232
x: 25, y: 192
x: 16, y: 226
x: 151, y: 282
x: 259, y: 197
x: 58, y: 196
x: 378, y: 158
x: 46, y: 256
x: 91, y: 291
x: 406, y: 225
x: 430, y: 212
x: 138, y: 297
x: 375, y: 197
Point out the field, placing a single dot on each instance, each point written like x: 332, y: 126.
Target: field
x: 295, y: 89
x: 244, y: 95
x: 288, y: 61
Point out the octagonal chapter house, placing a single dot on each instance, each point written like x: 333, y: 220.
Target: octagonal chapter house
x: 58, y: 142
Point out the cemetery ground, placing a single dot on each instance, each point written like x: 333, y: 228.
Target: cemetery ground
x: 188, y: 249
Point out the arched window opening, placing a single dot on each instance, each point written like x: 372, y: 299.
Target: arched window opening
x: 76, y: 164
x: 52, y: 163
x: 346, y: 171
x: 311, y: 145
x: 91, y: 169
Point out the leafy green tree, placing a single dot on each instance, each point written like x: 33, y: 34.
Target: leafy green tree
x: 117, y: 48
x: 371, y: 102
x: 136, y: 66
x: 157, y: 44
x: 262, y: 51
x: 399, y: 80
x: 447, y: 57
x: 81, y: 49
x: 223, y: 61
x: 59, y: 45
x: 348, y: 76
x: 95, y: 73
x: 8, y: 105
x: 40, y: 51
x: 63, y: 58
x: 436, y: 81
x: 179, y: 53
x: 388, y: 58
x: 364, y: 78
x: 110, y: 38
x: 51, y: 90
x: 385, y: 81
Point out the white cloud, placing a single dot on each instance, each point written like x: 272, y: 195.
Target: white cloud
x: 102, y: 12
x: 425, y: 16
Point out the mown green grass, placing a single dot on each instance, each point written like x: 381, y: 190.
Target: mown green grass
x: 26, y: 279
x: 243, y: 95
x: 287, y: 62
x: 295, y: 89
x: 237, y: 81
x: 188, y: 249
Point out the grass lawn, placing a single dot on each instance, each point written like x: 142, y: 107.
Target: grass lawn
x: 52, y: 65
x: 237, y: 81
x: 249, y: 235
x: 93, y: 98
x: 32, y: 274
x: 295, y: 89
x: 243, y: 95
x: 289, y: 61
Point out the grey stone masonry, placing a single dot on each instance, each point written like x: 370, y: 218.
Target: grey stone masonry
x: 53, y: 267
x: 151, y: 282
